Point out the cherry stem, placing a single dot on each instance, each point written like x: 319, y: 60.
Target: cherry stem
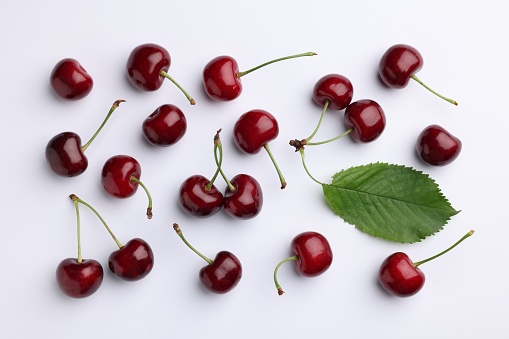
x: 167, y: 76
x: 149, y: 208
x: 240, y: 74
x: 279, y: 173
x: 329, y: 140
x: 325, y: 106
x: 279, y: 289
x: 218, y: 147
x: 301, y: 151
x: 217, y: 141
x: 416, y: 264
x: 80, y: 258
x: 78, y: 200
x: 112, y: 109
x: 181, y: 235
x: 454, y: 102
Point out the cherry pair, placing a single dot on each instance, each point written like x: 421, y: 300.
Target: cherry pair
x: 80, y: 278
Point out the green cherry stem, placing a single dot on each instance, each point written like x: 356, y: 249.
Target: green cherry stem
x: 149, y: 207
x: 76, y: 206
x: 416, y: 264
x: 218, y: 147
x: 301, y: 151
x: 167, y: 76
x: 454, y: 102
x: 77, y: 200
x: 181, y: 235
x: 279, y: 173
x: 112, y: 109
x: 325, y: 106
x: 329, y: 140
x: 241, y: 74
x: 279, y: 289
x: 217, y: 142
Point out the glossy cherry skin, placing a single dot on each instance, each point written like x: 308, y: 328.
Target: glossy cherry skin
x: 223, y: 274
x: 247, y: 200
x: 314, y: 253
x: 116, y: 176
x: 366, y: 118
x: 437, y: 146
x: 70, y: 81
x: 398, y: 64
x: 65, y: 155
x: 220, y: 79
x: 197, y: 200
x: 334, y: 88
x: 79, y: 280
x: 133, y: 261
x: 145, y: 64
x: 165, y: 126
x: 399, y: 276
x: 254, y: 129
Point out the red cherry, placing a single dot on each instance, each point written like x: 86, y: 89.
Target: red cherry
x: 437, y: 147
x: 312, y: 255
x: 133, y: 261
x: 147, y: 67
x: 79, y: 279
x: 69, y: 80
x: 196, y: 198
x: 253, y: 131
x: 366, y: 119
x: 222, y: 274
x: 246, y: 201
x: 64, y: 151
x: 165, y: 126
x: 335, y: 89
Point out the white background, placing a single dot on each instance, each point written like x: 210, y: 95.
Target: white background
x: 465, y: 52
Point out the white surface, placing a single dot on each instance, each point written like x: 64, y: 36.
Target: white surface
x: 463, y: 46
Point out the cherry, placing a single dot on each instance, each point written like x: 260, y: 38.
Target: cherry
x: 165, y: 126
x: 243, y: 198
x: 70, y: 81
x: 253, y: 130
x: 132, y: 261
x: 437, y: 147
x: 312, y: 255
x: 335, y: 89
x: 221, y: 76
x: 399, y: 64
x: 402, y: 277
x: 120, y: 178
x: 222, y: 274
x: 65, y: 154
x: 147, y: 67
x: 366, y: 119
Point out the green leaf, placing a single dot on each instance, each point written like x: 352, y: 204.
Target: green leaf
x: 393, y: 202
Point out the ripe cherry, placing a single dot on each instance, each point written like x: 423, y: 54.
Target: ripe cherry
x: 120, y: 178
x: 437, y: 147
x: 65, y: 154
x: 165, y: 126
x: 222, y: 274
x: 253, y: 131
x: 399, y: 64
x: 147, y: 67
x: 199, y: 197
x: 243, y: 198
x: 402, y: 277
x: 312, y: 255
x: 69, y: 80
x: 221, y: 76
x: 366, y: 119
x: 334, y: 89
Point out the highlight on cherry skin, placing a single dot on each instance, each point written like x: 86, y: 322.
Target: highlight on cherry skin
x: 399, y: 64
x: 220, y: 275
x: 66, y: 155
x: 221, y: 76
x: 147, y: 68
x: 436, y: 146
x: 165, y: 126
x: 311, y: 253
x: 401, y: 277
x: 70, y: 80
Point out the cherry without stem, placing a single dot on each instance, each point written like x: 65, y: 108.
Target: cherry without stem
x: 436, y: 146
x: 70, y: 80
x: 66, y: 155
x: 165, y: 126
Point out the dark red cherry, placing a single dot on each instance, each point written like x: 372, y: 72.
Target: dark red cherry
x: 220, y: 79
x: 133, y: 261
x: 79, y: 279
x: 366, y: 119
x: 65, y: 155
x: 335, y: 89
x: 197, y: 199
x: 436, y: 146
x: 246, y: 201
x: 165, y: 126
x: 223, y: 274
x: 69, y: 80
x: 117, y: 174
